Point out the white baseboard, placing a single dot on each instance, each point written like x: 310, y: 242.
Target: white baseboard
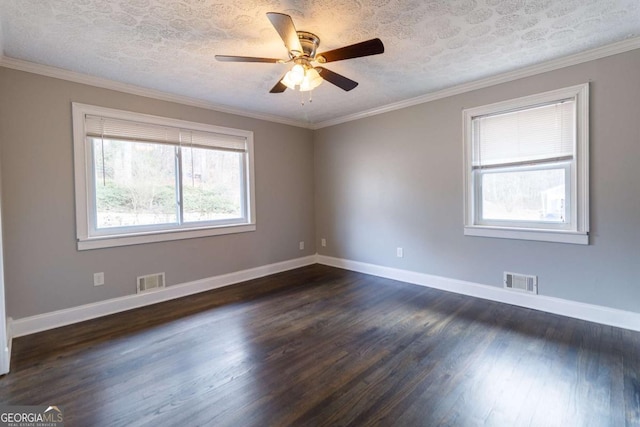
x: 55, y: 319
x: 578, y: 310
x: 593, y: 313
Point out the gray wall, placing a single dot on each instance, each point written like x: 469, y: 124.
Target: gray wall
x: 44, y: 270
x: 397, y: 180
x: 386, y: 181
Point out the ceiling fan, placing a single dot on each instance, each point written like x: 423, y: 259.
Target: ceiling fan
x: 302, y: 46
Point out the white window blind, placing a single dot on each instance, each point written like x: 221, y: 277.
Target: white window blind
x: 111, y: 128
x: 528, y: 136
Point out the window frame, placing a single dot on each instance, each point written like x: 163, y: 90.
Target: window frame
x: 88, y: 237
x: 576, y: 231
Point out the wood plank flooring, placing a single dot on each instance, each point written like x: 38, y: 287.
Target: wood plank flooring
x: 319, y: 346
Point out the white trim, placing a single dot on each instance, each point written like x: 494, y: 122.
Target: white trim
x: 7, y: 350
x: 579, y: 188
x: 160, y: 236
x: 578, y: 58
x: 5, y: 333
x: 527, y: 234
x: 89, y: 238
x: 555, y: 64
x: 46, y: 321
x: 1, y: 41
x: 577, y: 310
x: 72, y: 76
x: 581, y: 174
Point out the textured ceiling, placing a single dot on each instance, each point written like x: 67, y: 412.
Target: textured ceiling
x: 169, y: 45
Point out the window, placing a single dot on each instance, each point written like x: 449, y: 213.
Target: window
x: 526, y: 167
x: 142, y: 178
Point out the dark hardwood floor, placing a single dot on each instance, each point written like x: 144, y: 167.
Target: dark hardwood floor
x: 320, y: 346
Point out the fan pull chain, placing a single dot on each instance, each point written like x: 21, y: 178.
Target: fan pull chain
x: 302, y: 97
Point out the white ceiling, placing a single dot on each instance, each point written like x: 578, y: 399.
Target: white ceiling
x: 169, y: 45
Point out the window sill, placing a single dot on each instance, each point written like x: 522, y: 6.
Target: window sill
x: 572, y: 237
x: 160, y: 236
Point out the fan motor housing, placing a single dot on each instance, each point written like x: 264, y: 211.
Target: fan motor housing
x: 309, y: 42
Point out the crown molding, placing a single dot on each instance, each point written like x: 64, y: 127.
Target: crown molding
x: 72, y: 76
x: 575, y: 59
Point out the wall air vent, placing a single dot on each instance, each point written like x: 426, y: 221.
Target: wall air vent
x: 521, y: 282
x: 150, y: 282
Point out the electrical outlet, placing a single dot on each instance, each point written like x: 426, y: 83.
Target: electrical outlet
x: 98, y: 279
x: 399, y: 252
x: 301, y: 246
x: 323, y: 242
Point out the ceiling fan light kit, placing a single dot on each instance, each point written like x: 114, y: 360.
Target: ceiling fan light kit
x: 301, y: 47
x: 303, y: 78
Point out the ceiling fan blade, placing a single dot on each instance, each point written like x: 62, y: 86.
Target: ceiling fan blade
x: 337, y: 79
x: 284, y: 26
x: 231, y: 58
x: 279, y: 87
x: 366, y: 48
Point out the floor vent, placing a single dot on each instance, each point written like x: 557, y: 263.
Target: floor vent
x: 521, y: 282
x: 150, y: 282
